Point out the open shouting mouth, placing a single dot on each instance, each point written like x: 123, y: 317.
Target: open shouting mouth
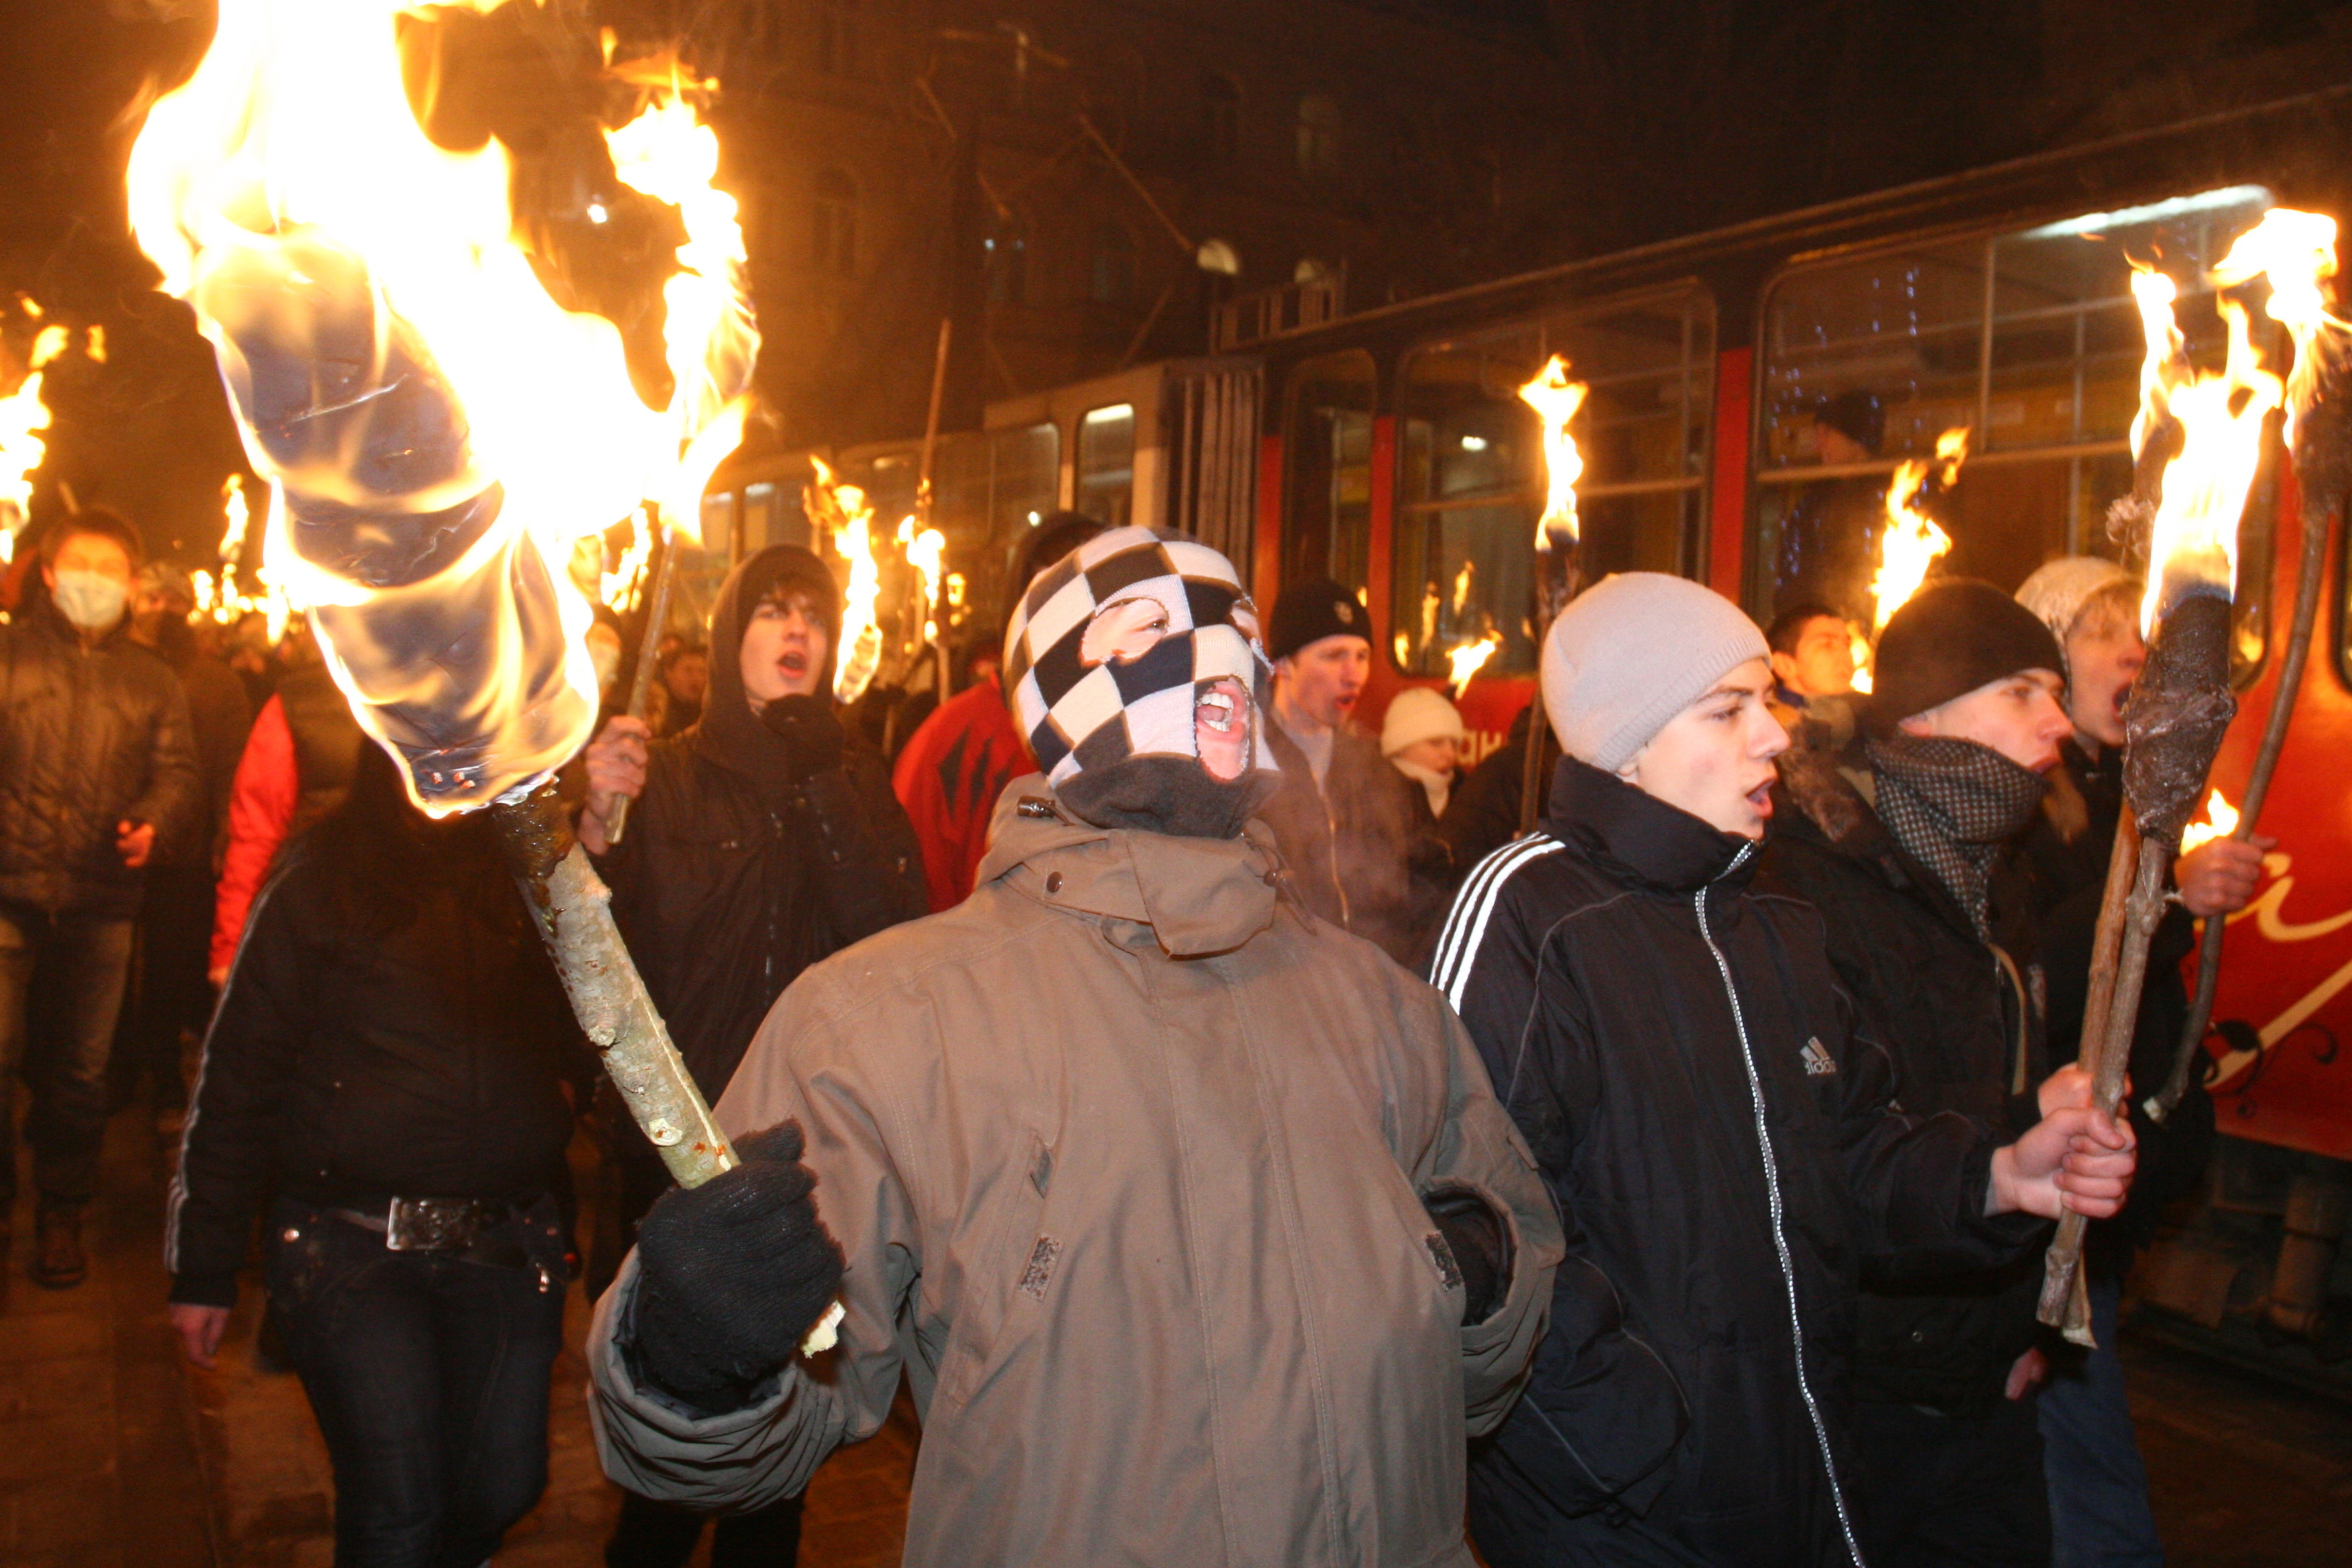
x: 1221, y: 727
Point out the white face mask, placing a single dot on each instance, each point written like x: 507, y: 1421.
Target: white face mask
x: 92, y: 601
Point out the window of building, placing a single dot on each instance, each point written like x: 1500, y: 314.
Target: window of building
x: 835, y: 39
x: 1220, y: 116
x: 1318, y: 136
x: 1105, y: 488
x: 2032, y: 340
x: 1111, y: 278
x: 832, y: 227
x: 1327, y: 456
x: 1471, y: 468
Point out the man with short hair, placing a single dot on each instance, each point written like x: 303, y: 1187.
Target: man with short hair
x: 1343, y: 819
x: 1907, y: 841
x: 97, y: 767
x: 1719, y: 1133
x: 1812, y: 654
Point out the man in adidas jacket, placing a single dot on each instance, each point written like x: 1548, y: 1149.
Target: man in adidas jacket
x: 1720, y: 1142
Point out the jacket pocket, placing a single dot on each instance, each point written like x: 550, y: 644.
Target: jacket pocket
x: 1014, y: 1268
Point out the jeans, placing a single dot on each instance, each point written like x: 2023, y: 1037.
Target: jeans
x: 61, y: 989
x: 428, y: 1376
x: 2099, y: 1514
x: 1943, y: 1491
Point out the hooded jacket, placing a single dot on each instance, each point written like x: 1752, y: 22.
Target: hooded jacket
x: 89, y: 737
x: 1962, y: 1024
x: 733, y: 877
x: 1720, y: 1142
x: 1127, y: 1155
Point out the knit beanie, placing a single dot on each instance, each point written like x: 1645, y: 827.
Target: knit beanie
x: 1630, y: 653
x: 2059, y: 589
x: 1310, y: 611
x: 1954, y: 635
x: 1419, y: 713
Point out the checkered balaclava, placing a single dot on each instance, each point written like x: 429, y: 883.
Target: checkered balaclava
x: 1086, y: 716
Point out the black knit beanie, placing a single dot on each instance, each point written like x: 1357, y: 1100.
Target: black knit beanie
x: 1310, y: 611
x: 1954, y: 635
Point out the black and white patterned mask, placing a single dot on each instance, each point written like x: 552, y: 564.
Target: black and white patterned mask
x: 1122, y: 646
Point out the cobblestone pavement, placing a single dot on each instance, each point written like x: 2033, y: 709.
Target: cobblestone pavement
x: 114, y: 1454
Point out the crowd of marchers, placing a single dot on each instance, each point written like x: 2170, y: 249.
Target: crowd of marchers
x: 1247, y: 1145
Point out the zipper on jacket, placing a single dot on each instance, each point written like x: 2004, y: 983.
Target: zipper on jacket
x: 1772, y: 1190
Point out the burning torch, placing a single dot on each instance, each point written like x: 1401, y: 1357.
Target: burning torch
x: 1559, y: 575
x: 437, y: 430
x: 2181, y: 704
x: 2297, y: 250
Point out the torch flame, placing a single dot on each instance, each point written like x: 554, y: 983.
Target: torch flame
x: 927, y: 553
x: 2193, y: 537
x: 435, y: 428
x: 23, y: 416
x: 1912, y: 542
x: 2221, y: 820
x: 1556, y: 399
x: 860, y: 654
x: 2297, y: 249
x: 1468, y: 659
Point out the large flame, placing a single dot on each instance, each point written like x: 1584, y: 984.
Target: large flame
x: 1556, y: 399
x: 1911, y: 542
x: 23, y: 417
x: 435, y: 428
x: 1468, y: 660
x: 2297, y: 250
x: 851, y: 520
x: 2193, y: 538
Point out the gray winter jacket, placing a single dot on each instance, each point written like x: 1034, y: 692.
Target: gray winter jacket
x: 1127, y: 1158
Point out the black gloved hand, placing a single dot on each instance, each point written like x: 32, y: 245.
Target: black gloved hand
x: 732, y: 1275
x: 813, y: 737
x: 1481, y: 1244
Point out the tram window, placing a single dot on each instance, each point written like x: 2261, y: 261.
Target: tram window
x: 2032, y: 340
x: 1107, y: 463
x: 1471, y: 475
x: 1328, y: 470
x: 1024, y: 488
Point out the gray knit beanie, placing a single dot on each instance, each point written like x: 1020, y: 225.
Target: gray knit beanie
x: 1630, y: 653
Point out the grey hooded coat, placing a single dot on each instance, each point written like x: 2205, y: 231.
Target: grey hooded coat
x: 1127, y: 1158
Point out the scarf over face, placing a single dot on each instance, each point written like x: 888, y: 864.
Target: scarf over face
x: 1114, y: 732
x: 1952, y: 804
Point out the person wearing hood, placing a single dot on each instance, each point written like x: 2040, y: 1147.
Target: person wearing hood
x: 2099, y: 1511
x: 763, y: 838
x: 1719, y: 1129
x: 1907, y: 842
x: 1188, y: 1217
x: 1343, y: 819
x: 98, y: 767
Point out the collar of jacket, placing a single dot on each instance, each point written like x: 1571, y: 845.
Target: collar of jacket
x: 1638, y: 838
x: 1827, y: 796
x: 38, y: 608
x: 1199, y: 897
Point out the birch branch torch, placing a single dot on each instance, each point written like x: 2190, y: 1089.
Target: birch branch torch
x: 2182, y: 705
x: 1558, y: 573
x: 437, y: 429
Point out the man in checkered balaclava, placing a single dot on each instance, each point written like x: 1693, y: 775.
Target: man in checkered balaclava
x: 1133, y: 667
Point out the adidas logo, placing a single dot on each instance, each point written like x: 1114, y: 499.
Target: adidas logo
x: 1819, y: 1063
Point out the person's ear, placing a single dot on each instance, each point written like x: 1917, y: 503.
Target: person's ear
x: 1785, y: 666
x: 1630, y: 768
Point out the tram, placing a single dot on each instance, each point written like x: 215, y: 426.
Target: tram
x: 1751, y: 392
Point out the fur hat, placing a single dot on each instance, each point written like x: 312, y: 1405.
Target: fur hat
x: 1954, y: 634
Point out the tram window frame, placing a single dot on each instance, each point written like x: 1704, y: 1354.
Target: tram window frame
x: 1994, y: 338
x: 1336, y: 541
x: 1507, y: 511
x: 1102, y: 479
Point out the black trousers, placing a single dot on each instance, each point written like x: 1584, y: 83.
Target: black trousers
x: 167, y: 992
x: 1952, y: 1491
x: 428, y: 1376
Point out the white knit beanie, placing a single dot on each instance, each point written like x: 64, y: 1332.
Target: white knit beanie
x: 1630, y: 653
x: 2059, y: 589
x: 1419, y: 713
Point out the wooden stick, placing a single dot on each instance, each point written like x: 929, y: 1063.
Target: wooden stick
x: 648, y: 644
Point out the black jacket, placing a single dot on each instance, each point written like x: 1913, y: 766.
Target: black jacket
x: 220, y: 718
x: 733, y: 877
x: 1352, y: 846
x: 89, y: 737
x: 1678, y: 1053
x: 1961, y: 1021
x: 327, y: 741
x: 2068, y: 848
x: 344, y: 1068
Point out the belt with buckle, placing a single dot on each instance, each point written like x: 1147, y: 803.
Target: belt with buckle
x: 429, y: 1224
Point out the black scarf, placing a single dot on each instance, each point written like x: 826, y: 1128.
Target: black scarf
x: 1952, y: 804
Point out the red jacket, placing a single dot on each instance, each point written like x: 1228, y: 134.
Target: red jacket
x: 260, y: 805
x: 947, y: 778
